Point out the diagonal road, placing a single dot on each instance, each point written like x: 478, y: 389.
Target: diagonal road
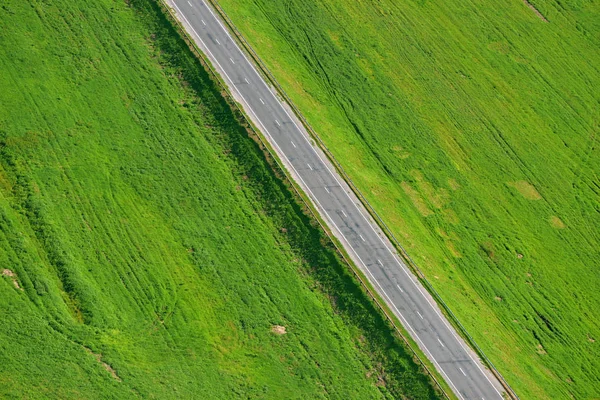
x: 340, y: 208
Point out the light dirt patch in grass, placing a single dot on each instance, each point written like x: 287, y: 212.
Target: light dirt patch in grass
x: 9, y: 273
x: 107, y: 367
x: 416, y: 199
x: 535, y: 10
x: 278, y: 329
x: 526, y: 189
x: 541, y: 350
x: 557, y: 222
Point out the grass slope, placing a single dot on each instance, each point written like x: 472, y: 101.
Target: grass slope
x: 147, y: 248
x: 472, y: 128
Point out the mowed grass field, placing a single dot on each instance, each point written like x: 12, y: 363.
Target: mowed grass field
x: 472, y: 128
x: 147, y: 248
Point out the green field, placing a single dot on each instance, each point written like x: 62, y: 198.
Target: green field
x: 147, y: 248
x: 472, y: 128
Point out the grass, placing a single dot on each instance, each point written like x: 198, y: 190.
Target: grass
x: 471, y: 127
x: 147, y: 248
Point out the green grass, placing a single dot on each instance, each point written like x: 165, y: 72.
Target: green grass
x: 153, y: 246
x: 472, y: 128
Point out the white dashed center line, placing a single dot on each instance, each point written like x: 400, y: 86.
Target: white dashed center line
x: 362, y: 238
x: 343, y: 212
x: 461, y: 370
x: 327, y: 189
x: 400, y: 289
x: 261, y: 100
x: 277, y: 122
x: 311, y: 168
x: 379, y: 262
x: 293, y: 144
x: 246, y: 79
x: 190, y: 4
x: 420, y: 315
x: 203, y: 22
x: 441, y: 342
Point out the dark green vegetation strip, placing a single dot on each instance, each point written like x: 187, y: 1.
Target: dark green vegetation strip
x: 472, y: 129
x: 147, y: 249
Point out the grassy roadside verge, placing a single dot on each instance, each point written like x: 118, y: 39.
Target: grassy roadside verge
x: 301, y: 197
x: 372, y: 293
x: 401, y: 252
x: 468, y: 223
x: 151, y: 247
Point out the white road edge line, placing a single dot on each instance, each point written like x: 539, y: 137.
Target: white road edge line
x: 318, y: 203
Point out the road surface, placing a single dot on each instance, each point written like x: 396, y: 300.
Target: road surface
x: 340, y: 208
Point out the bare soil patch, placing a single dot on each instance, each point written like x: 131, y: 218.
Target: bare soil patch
x: 278, y: 330
x: 107, y: 367
x: 9, y: 273
x: 535, y: 10
x: 541, y: 350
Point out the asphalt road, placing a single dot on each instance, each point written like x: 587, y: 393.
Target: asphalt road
x: 346, y: 217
